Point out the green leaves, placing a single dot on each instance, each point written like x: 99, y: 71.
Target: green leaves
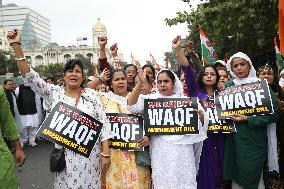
x: 252, y: 23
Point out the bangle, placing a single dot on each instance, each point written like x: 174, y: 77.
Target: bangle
x: 135, y: 90
x: 15, y: 43
x: 100, y: 79
x: 105, y: 155
x: 20, y: 59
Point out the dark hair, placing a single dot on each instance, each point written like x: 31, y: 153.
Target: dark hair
x: 111, y: 77
x: 170, y: 74
x: 7, y: 80
x: 51, y: 78
x: 128, y: 65
x: 70, y: 65
x: 151, y: 67
x: 201, y: 74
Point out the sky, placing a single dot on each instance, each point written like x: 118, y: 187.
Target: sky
x: 137, y: 26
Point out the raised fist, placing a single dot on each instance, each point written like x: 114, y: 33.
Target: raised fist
x: 176, y: 42
x: 113, y: 50
x: 102, y: 41
x: 14, y: 36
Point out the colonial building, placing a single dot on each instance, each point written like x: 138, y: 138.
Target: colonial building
x: 53, y: 53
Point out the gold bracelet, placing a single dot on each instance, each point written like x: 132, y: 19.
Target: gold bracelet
x: 104, y: 155
x: 135, y: 90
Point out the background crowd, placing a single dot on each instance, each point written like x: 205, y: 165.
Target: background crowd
x: 251, y: 158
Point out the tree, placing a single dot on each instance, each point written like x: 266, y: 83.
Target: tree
x: 88, y: 66
x: 50, y: 70
x: 246, y: 25
x: 8, y: 64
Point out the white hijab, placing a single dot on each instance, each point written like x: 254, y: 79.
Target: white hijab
x: 177, y: 89
x: 252, y: 73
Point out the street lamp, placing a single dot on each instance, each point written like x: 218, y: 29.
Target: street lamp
x: 7, y: 57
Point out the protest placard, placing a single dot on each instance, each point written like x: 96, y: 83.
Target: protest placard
x: 250, y: 99
x: 127, y: 130
x: 71, y: 128
x: 170, y: 116
x: 216, y: 125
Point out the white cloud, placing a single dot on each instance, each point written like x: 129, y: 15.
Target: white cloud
x: 137, y: 26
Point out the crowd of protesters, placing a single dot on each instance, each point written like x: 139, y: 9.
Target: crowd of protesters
x: 250, y: 158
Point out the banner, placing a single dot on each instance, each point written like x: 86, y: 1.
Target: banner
x: 250, y: 99
x: 170, y: 116
x: 71, y: 128
x: 215, y: 124
x: 127, y: 130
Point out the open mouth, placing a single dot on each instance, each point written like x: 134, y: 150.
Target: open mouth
x: 73, y: 80
x: 120, y: 87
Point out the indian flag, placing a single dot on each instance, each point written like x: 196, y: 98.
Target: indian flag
x: 281, y: 26
x: 278, y: 55
x: 209, y: 56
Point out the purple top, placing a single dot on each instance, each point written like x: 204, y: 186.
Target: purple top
x: 210, y: 173
x: 193, y: 88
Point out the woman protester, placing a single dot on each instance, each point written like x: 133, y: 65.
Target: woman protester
x: 123, y: 172
x: 8, y: 176
x: 224, y: 78
x: 80, y: 172
x: 274, y: 131
x: 173, y: 159
x: 246, y: 150
x: 150, y: 71
x: 210, y: 173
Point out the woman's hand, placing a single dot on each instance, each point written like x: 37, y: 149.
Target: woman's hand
x: 176, y: 42
x: 20, y: 157
x: 144, y: 141
x: 105, y: 162
x: 102, y: 42
x: 221, y: 85
x: 200, y: 114
x: 179, y: 51
x: 113, y: 50
x: 239, y: 118
x: 14, y: 36
x: 140, y: 73
x: 105, y: 75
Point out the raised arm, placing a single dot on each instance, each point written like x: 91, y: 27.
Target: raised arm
x: 14, y: 39
x: 30, y: 76
x: 136, y: 91
x: 179, y: 51
x: 189, y: 73
x: 99, y: 80
x: 115, y: 59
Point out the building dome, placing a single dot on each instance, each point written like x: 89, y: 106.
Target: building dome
x: 99, y: 26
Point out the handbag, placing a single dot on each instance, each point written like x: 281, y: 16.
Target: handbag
x: 143, y: 157
x: 57, y: 160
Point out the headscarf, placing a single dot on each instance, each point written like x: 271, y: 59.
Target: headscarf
x: 266, y: 67
x: 178, y: 87
x: 252, y: 73
x: 220, y: 62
